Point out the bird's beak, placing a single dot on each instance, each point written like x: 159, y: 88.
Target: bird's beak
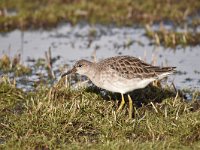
x: 72, y: 71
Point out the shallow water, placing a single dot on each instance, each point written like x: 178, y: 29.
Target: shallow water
x: 83, y: 41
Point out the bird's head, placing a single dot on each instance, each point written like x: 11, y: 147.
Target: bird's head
x: 81, y: 67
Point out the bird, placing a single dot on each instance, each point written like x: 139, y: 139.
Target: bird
x: 120, y: 74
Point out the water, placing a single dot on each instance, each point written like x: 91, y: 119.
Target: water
x: 83, y: 41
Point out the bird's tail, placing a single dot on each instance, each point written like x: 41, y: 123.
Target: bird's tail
x: 160, y: 70
x: 164, y: 71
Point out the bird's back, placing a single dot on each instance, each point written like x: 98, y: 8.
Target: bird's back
x: 131, y: 67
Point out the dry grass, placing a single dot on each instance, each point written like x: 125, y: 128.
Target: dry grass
x: 8, y: 64
x: 170, y: 38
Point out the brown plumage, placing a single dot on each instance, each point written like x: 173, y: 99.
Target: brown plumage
x: 132, y: 67
x: 120, y: 74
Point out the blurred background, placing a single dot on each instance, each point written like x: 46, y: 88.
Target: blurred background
x: 39, y: 39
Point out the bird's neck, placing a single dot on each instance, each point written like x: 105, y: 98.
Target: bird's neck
x: 92, y: 71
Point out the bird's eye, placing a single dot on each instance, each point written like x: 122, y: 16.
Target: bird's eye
x: 80, y: 66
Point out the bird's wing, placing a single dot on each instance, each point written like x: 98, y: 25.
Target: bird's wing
x: 131, y: 67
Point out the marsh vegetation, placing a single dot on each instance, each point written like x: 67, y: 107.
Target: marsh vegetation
x: 39, y: 111
x: 81, y: 119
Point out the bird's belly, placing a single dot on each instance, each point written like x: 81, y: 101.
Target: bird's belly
x: 125, y: 85
x: 111, y: 81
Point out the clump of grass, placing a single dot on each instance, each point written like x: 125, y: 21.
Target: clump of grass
x: 13, y: 65
x: 10, y: 97
x: 83, y: 119
x: 172, y: 38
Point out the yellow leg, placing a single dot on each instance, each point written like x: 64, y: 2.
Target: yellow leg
x: 130, y: 107
x: 157, y: 84
x: 121, y: 104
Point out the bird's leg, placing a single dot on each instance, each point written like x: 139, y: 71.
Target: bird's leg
x: 121, y: 104
x: 157, y: 84
x: 130, y: 107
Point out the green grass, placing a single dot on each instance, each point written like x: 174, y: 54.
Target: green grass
x: 47, y: 13
x: 34, y: 14
x: 84, y: 119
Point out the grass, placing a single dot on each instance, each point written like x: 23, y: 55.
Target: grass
x: 35, y: 14
x: 84, y: 119
x: 59, y: 117
x: 47, y: 13
x: 13, y: 65
x: 169, y: 38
